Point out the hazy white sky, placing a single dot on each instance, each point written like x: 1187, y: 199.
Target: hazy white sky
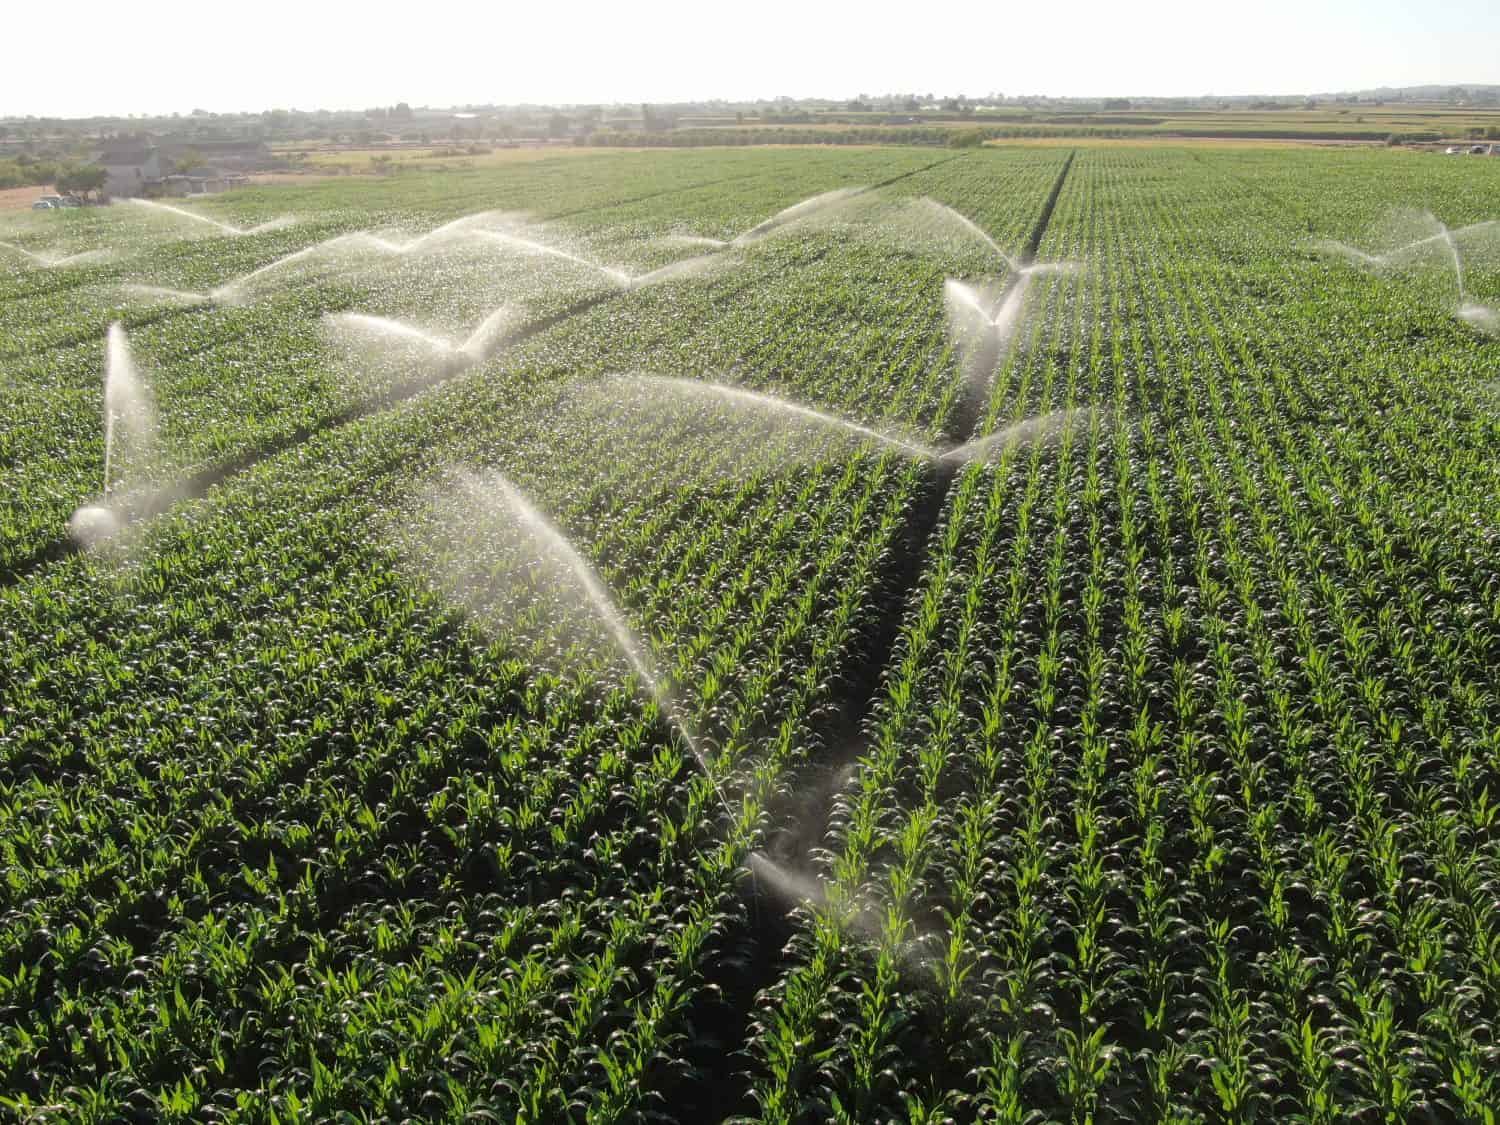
x: 73, y: 59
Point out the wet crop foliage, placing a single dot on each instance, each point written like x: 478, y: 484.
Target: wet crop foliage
x: 563, y: 671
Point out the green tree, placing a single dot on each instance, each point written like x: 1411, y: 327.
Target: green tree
x: 967, y: 138
x: 188, y: 160
x: 84, y: 180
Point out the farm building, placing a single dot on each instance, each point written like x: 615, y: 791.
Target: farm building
x: 131, y: 169
x: 144, y: 166
x: 201, y: 181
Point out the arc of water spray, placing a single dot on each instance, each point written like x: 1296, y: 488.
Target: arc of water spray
x: 766, y: 403
x: 384, y: 326
x: 396, y: 246
x: 232, y: 291
x: 551, y: 538
x: 1012, y: 264
x: 738, y: 397
x: 486, y: 338
x: 1482, y: 317
x: 1000, y: 322
x: 695, y: 240
x: 126, y: 401
x: 127, y: 405
x: 1028, y: 429
x: 786, y: 215
x: 943, y: 211
x: 1378, y: 261
x: 48, y: 261
x: 488, y: 335
x: 531, y: 246
x: 797, y: 211
x: 1001, y: 316
x: 688, y: 267
x: 227, y: 228
x: 437, y: 234
x: 625, y: 280
x: 684, y: 268
x: 1458, y: 263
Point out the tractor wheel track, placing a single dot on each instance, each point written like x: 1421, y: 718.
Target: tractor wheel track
x: 805, y: 823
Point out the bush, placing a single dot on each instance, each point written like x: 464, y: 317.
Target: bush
x: 27, y: 171
x: 82, y: 180
x: 967, y: 138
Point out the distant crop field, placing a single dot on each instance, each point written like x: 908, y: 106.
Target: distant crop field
x: 1323, y: 124
x: 420, y: 158
x: 781, y: 635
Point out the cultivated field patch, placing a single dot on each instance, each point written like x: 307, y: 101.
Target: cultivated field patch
x: 784, y: 635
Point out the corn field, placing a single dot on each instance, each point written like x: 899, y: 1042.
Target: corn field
x: 1091, y: 716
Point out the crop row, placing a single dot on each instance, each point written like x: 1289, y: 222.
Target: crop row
x: 1175, y: 797
x: 233, y: 380
x: 1179, y: 793
x: 402, y: 868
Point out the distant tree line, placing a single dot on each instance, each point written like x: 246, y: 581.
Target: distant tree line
x: 976, y: 134
x: 931, y: 136
x: 66, y: 175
